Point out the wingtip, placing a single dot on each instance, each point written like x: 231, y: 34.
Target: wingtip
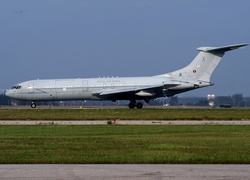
x: 241, y: 45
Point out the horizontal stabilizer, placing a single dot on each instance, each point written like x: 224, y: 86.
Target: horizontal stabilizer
x: 221, y: 49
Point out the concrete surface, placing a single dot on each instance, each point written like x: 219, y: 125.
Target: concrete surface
x: 125, y: 122
x: 119, y: 172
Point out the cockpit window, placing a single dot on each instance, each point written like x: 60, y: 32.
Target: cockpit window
x: 16, y: 87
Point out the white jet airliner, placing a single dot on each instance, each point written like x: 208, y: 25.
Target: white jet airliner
x: 196, y: 75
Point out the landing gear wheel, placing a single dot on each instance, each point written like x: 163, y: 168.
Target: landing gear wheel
x: 33, y: 105
x: 131, y: 105
x: 139, y: 105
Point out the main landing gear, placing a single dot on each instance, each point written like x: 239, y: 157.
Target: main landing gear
x: 33, y: 105
x: 133, y: 104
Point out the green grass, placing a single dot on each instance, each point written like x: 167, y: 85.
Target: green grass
x: 203, y: 144
x: 124, y: 114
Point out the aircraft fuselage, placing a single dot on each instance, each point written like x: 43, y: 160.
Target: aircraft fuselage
x: 195, y: 75
x: 88, y: 89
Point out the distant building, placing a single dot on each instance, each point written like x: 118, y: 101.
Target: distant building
x: 211, y: 100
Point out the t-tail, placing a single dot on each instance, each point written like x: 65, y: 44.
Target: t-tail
x: 198, y: 73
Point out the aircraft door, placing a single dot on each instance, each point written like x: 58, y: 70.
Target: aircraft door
x: 85, y: 85
x: 30, y: 87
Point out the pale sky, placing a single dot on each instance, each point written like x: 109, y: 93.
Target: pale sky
x: 91, y: 38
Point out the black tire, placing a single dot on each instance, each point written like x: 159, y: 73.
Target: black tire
x: 139, y: 105
x: 131, y: 105
x: 33, y: 105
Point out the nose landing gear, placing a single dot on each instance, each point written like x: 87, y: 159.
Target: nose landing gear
x: 33, y: 105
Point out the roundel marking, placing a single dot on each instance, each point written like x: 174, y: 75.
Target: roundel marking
x: 194, y: 71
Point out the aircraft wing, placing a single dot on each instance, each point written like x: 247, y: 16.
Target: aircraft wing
x: 133, y: 90
x: 114, y: 91
x: 111, y: 91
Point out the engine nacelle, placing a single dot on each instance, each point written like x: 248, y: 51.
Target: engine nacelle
x: 145, y: 94
x: 184, y: 86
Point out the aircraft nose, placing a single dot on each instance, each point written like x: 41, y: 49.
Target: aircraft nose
x: 7, y: 93
x: 10, y: 94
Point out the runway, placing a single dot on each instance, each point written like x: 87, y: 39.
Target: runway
x: 120, y: 172
x: 125, y: 122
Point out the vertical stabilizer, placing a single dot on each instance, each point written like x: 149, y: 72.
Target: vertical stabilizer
x: 204, y: 64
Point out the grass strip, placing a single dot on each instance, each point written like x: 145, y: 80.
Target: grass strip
x: 122, y: 144
x: 125, y: 114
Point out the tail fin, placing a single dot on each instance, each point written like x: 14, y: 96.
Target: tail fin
x: 204, y: 64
